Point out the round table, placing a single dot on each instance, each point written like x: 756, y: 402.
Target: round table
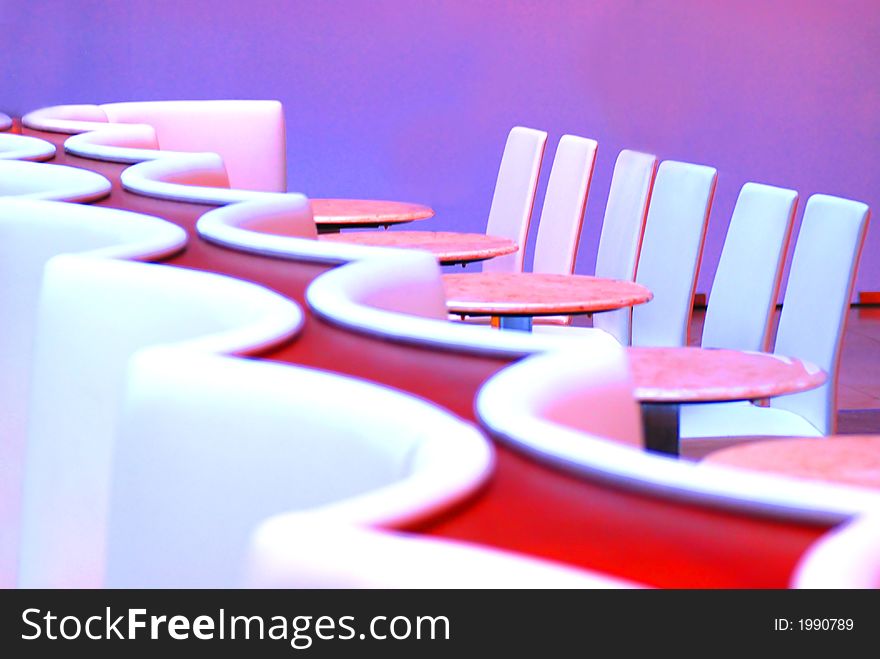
x: 515, y: 298
x: 665, y: 378
x: 331, y: 215
x: 449, y: 247
x: 843, y: 459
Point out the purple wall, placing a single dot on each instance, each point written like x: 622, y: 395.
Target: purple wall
x: 413, y: 100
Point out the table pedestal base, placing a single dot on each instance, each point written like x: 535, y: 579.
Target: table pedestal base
x: 519, y: 323
x: 661, y: 427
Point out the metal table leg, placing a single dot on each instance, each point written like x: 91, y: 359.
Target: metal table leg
x: 519, y: 323
x: 661, y: 427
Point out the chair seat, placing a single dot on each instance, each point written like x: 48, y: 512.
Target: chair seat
x: 742, y: 419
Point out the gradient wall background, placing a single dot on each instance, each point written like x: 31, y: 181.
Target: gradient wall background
x: 412, y: 100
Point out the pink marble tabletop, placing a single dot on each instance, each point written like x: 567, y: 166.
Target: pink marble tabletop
x: 693, y: 375
x: 845, y: 459
x: 367, y: 212
x: 448, y: 247
x: 535, y: 294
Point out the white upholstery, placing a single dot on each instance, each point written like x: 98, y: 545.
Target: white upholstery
x: 811, y: 326
x: 68, y: 119
x: 514, y: 195
x: 93, y: 315
x: 128, y: 143
x: 198, y: 178
x: 33, y: 180
x: 31, y: 232
x: 22, y: 147
x: 5, y: 121
x: 562, y: 215
x: 669, y: 262
x: 305, y: 552
x: 398, y: 295
x: 573, y: 409
x: 739, y: 315
x: 845, y: 557
x: 622, y: 228
x: 211, y: 446
x: 277, y: 215
x: 248, y: 134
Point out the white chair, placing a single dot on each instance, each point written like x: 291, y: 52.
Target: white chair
x: 811, y: 327
x: 562, y: 215
x: 846, y: 557
x: 514, y: 195
x: 305, y: 551
x: 32, y: 232
x: 249, y: 135
x: 669, y: 261
x: 739, y: 315
x: 34, y: 180
x: 93, y: 315
x: 23, y: 147
x: 623, y: 226
x: 211, y: 446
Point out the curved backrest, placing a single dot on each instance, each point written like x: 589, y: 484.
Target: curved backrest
x: 820, y: 284
x: 587, y: 392
x: 669, y: 263
x: 211, y: 446
x: 740, y: 311
x: 409, y: 285
x: 248, y: 134
x: 562, y: 216
x: 278, y: 215
x: 5, y: 121
x: 22, y: 147
x: 845, y: 557
x: 514, y: 195
x: 34, y: 180
x: 622, y: 228
x: 93, y: 315
x: 32, y: 232
x: 306, y: 552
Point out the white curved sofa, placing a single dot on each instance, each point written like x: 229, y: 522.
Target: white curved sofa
x: 306, y: 551
x: 34, y: 180
x: 392, y: 294
x: 249, y: 135
x: 23, y: 147
x: 31, y: 233
x: 846, y: 557
x: 5, y: 121
x: 94, y: 314
x: 574, y: 410
x: 210, y: 446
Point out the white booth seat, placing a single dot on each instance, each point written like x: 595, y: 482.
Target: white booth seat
x: 574, y: 410
x: 22, y: 147
x: 846, y: 557
x: 198, y: 178
x: 33, y: 180
x: 93, y: 315
x: 32, y: 232
x: 210, y: 446
x: 392, y: 294
x: 248, y: 134
x: 67, y: 119
x: 306, y: 551
x: 5, y: 121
